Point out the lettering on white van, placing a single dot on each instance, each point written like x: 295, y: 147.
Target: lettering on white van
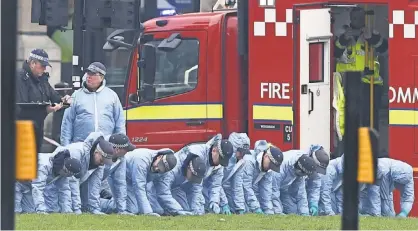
x: 275, y: 90
x: 403, y: 95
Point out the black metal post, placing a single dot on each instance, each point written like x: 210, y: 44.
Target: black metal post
x: 8, y: 138
x: 78, y: 27
x: 352, y: 124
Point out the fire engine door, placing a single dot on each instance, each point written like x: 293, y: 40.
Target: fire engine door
x: 314, y: 73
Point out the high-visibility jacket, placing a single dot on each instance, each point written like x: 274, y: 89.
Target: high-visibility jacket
x: 339, y: 103
x: 353, y: 59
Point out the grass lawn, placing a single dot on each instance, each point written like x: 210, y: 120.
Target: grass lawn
x: 213, y: 222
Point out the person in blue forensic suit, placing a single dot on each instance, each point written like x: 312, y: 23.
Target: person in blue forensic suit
x: 180, y: 190
x: 93, y: 153
x: 216, y: 154
x: 94, y: 108
x: 143, y: 166
x: 395, y: 174
x: 113, y: 187
x: 23, y: 197
x: 289, y: 184
x: 51, y: 189
x: 331, y: 198
x: 257, y: 177
x: 314, y: 181
x: 369, y: 200
x: 232, y: 192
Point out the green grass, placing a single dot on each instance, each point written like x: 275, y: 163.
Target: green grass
x: 213, y: 222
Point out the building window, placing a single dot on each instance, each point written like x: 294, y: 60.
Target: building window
x: 316, y: 62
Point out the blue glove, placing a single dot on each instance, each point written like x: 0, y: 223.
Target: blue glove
x: 214, y: 207
x: 226, y: 210
x: 313, y: 210
x: 241, y: 212
x: 402, y: 214
x: 258, y: 211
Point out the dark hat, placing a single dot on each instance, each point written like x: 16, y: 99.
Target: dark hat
x: 41, y: 56
x: 105, y: 147
x: 306, y: 164
x: 168, y: 161
x: 276, y: 158
x: 321, y: 159
x: 58, y: 161
x: 73, y: 165
x: 121, y: 141
x: 198, y: 168
x: 225, y: 150
x: 97, y: 67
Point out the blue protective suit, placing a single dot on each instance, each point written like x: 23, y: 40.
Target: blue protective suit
x: 175, y: 193
x: 313, y: 182
x: 289, y: 189
x: 257, y: 184
x: 138, y: 174
x: 369, y: 200
x: 50, y: 194
x: 232, y: 192
x: 212, y: 183
x: 92, y: 112
x: 395, y: 174
x: 23, y: 198
x: 331, y: 197
x: 85, y: 191
x: 114, y: 180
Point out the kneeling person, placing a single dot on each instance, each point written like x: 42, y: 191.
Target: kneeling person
x: 51, y: 190
x: 180, y: 190
x: 144, y: 166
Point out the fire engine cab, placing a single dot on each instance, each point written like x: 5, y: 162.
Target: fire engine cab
x: 265, y: 68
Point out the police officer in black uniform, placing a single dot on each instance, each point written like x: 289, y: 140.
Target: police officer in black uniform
x: 33, y: 87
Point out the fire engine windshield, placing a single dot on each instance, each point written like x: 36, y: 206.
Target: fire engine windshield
x: 176, y: 70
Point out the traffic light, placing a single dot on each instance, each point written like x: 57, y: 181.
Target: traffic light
x: 50, y: 12
x: 120, y: 14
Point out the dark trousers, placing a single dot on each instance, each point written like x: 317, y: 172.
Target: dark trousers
x: 39, y: 136
x: 364, y: 110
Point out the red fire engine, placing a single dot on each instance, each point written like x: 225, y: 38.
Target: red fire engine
x: 264, y: 69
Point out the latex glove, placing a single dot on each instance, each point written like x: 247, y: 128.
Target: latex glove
x: 97, y: 212
x: 313, y: 210
x: 77, y: 212
x: 126, y: 213
x: 185, y: 213
x: 241, y: 212
x: 402, y: 214
x: 42, y: 212
x: 153, y: 214
x: 226, y: 210
x: 214, y: 207
x: 258, y: 211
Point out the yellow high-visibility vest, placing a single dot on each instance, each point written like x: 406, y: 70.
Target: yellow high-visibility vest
x: 355, y: 61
